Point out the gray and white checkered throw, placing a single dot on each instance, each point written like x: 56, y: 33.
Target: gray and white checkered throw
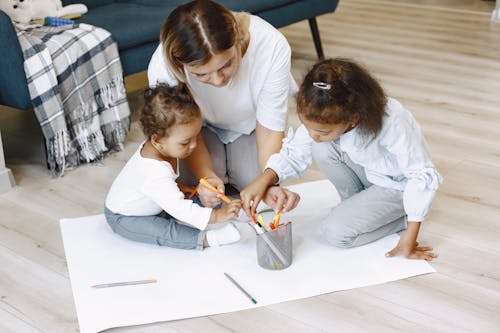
x: 75, y: 80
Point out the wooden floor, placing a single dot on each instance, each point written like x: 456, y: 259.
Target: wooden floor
x: 442, y: 62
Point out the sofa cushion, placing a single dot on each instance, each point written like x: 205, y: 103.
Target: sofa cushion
x: 155, y: 3
x: 89, y: 3
x: 131, y: 25
x: 13, y: 87
x: 254, y: 6
x: 298, y: 11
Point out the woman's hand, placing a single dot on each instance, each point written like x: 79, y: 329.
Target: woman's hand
x: 253, y: 194
x: 408, y: 245
x: 209, y: 198
x: 280, y: 198
x: 276, y: 197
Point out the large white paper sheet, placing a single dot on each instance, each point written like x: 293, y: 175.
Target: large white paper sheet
x: 192, y: 283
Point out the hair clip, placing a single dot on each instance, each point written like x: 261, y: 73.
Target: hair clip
x: 322, y: 85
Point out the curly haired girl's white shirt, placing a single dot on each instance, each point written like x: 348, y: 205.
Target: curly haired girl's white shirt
x: 259, y: 91
x: 147, y: 187
x: 397, y: 158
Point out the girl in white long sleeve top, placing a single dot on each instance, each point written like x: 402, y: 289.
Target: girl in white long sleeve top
x: 370, y: 147
x: 145, y: 202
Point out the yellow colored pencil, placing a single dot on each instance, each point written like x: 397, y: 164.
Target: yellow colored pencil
x: 260, y: 219
x: 277, y: 217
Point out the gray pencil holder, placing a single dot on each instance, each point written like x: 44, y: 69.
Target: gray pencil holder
x: 274, y: 248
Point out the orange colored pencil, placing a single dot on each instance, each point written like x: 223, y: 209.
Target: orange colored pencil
x: 195, y: 189
x: 204, y: 182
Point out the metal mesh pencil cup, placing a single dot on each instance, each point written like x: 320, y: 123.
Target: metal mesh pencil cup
x: 274, y: 248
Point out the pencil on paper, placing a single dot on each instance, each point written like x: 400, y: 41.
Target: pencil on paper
x: 125, y: 283
x: 240, y: 288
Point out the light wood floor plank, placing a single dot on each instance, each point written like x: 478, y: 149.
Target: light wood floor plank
x: 20, y: 232
x: 454, y: 255
x: 269, y: 321
x: 441, y: 59
x: 10, y: 323
x: 467, y: 207
x: 40, y: 297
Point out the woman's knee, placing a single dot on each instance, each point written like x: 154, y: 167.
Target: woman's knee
x: 217, y: 152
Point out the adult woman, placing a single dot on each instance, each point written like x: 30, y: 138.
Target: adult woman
x: 237, y: 67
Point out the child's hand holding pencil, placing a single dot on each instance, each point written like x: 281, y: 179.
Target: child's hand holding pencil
x: 226, y: 212
x: 220, y: 192
x: 210, y: 190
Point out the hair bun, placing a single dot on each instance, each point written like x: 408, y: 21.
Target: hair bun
x: 183, y: 93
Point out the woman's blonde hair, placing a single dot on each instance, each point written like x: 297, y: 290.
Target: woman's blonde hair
x: 197, y: 30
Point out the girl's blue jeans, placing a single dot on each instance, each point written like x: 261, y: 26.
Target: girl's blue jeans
x: 161, y: 229
x: 367, y: 212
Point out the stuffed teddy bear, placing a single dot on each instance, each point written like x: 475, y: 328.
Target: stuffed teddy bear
x: 24, y: 11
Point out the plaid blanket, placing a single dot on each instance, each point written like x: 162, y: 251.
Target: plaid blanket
x: 75, y: 81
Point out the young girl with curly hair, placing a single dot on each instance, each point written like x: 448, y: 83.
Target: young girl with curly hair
x: 145, y: 203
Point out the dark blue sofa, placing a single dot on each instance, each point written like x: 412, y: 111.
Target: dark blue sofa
x: 135, y: 26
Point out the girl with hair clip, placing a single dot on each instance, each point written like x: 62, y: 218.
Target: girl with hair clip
x: 370, y: 147
x: 237, y: 67
x: 145, y: 203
